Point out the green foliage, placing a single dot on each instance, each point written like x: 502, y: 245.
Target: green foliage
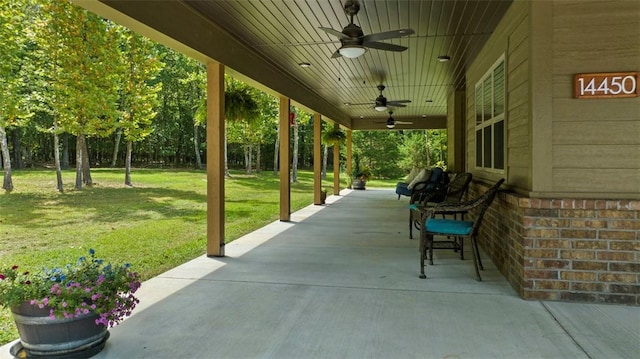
x: 138, y: 96
x: 378, y: 151
x: 424, y: 149
x: 239, y: 101
x: 86, y: 69
x: 414, y: 151
x: 333, y: 136
x: 75, y: 289
x: 13, y: 45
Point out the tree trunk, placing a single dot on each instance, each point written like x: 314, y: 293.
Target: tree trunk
x: 65, y: 151
x: 247, y: 159
x: 426, y: 141
x: 79, y: 147
x: 276, y: 152
x: 294, y: 160
x: 258, y: 158
x: 7, y: 183
x: 196, y: 145
x: 86, y: 166
x: 116, y: 147
x: 127, y: 165
x: 325, y: 156
x: 56, y: 157
x: 17, y: 152
x: 226, y: 155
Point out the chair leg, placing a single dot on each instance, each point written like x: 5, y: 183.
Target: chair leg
x: 477, y: 253
x: 410, y: 225
x: 430, y: 246
x: 475, y: 258
x: 461, y: 247
x: 423, y: 252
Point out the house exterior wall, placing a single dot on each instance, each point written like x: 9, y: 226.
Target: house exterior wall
x: 567, y: 224
x: 511, y: 40
x: 595, y: 142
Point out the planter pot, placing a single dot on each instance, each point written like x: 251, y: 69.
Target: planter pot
x: 358, y: 184
x: 45, y: 337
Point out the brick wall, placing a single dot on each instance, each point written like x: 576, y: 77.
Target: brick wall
x: 565, y: 249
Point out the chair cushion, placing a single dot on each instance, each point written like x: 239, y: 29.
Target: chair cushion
x: 414, y: 172
x: 421, y: 177
x: 449, y: 226
x: 434, y: 178
x: 401, y: 189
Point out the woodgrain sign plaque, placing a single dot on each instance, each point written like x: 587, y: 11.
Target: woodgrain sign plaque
x: 606, y: 85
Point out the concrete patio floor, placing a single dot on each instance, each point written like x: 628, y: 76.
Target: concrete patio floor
x: 341, y: 281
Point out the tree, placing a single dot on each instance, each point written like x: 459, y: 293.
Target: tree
x: 12, y: 101
x: 85, y: 78
x: 182, y: 105
x: 266, y: 126
x: 301, y: 118
x: 240, y: 108
x: 379, y: 152
x: 138, y: 96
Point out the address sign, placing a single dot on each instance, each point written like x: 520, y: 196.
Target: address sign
x: 606, y: 85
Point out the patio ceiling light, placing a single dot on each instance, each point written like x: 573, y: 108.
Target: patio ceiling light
x: 352, y: 51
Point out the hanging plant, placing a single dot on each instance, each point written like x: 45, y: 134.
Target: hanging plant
x: 334, y: 136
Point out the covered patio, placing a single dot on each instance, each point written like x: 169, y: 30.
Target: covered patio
x: 341, y: 281
x: 500, y: 76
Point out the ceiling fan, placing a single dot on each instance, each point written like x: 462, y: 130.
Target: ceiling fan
x: 391, y: 122
x: 355, y: 43
x: 381, y: 103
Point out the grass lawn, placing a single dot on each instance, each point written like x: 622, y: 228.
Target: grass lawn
x: 156, y: 225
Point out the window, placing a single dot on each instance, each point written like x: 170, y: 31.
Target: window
x: 490, y: 129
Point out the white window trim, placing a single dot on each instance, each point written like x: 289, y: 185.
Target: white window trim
x: 493, y: 120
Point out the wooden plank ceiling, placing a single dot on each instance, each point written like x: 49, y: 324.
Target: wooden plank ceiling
x: 285, y: 33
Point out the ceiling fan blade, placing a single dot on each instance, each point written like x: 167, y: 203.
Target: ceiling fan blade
x: 398, y: 101
x: 333, y: 32
x: 403, y: 123
x: 390, y: 104
x: 387, y: 35
x: 384, y: 46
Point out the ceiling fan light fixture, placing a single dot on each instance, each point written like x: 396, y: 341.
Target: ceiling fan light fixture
x: 352, y: 51
x: 444, y: 58
x: 391, y: 123
x: 380, y: 108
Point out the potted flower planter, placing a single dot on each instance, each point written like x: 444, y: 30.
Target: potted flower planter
x: 358, y: 184
x: 64, y: 312
x: 44, y: 336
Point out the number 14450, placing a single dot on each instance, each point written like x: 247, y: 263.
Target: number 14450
x: 606, y: 85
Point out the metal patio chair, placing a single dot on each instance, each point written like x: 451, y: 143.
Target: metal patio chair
x: 453, y: 193
x: 455, y: 227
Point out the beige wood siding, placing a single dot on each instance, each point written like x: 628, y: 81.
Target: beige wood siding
x: 595, y: 142
x: 511, y: 39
